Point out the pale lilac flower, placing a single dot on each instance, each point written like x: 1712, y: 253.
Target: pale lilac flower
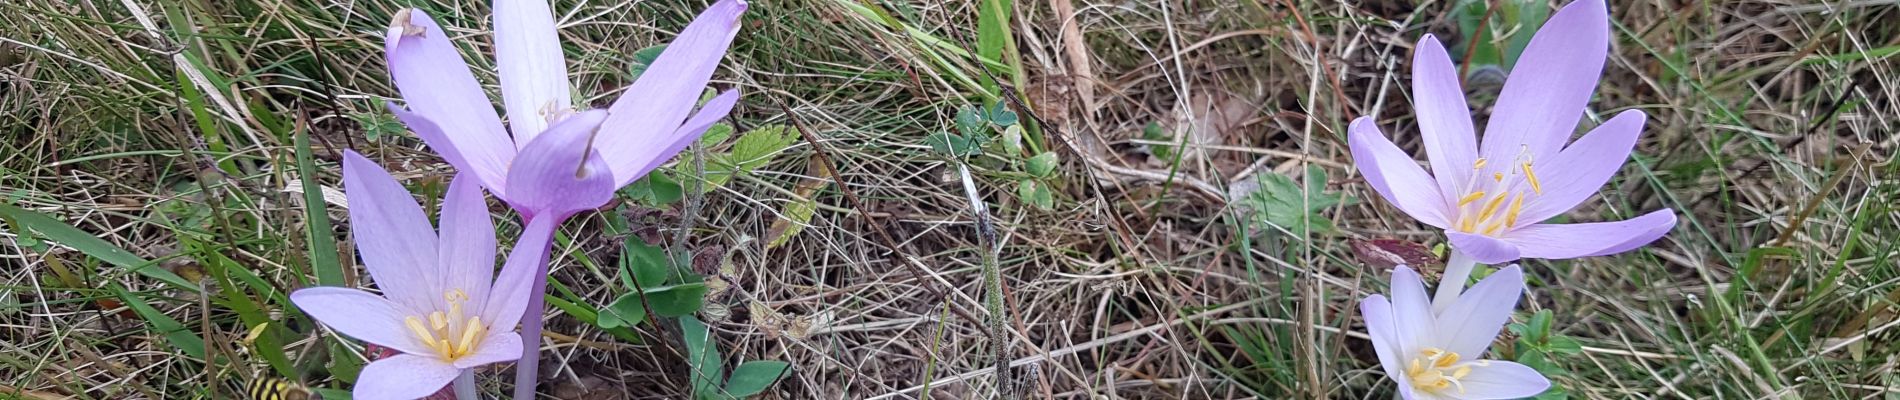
x: 440, y: 305
x: 646, y: 126
x: 1491, y: 200
x: 1437, y: 356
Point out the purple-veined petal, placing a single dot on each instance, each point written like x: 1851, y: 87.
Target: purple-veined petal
x: 392, y: 234
x: 1469, y: 326
x: 547, y: 178
x: 1484, y: 249
x: 508, y: 300
x: 403, y: 377
x: 1562, y: 241
x: 533, y: 70
x: 467, y: 243
x: 1451, y: 144
x: 1395, y: 175
x: 1551, y: 84
x: 709, y: 114
x: 497, y: 347
x: 645, y: 117
x: 361, y: 315
x: 437, y: 84
x: 1502, y: 380
x: 432, y: 134
x: 1381, y: 325
x: 1412, y: 309
x: 1581, y: 169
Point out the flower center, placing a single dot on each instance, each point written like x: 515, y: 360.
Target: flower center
x: 1435, y: 370
x: 1492, y: 205
x: 449, y: 333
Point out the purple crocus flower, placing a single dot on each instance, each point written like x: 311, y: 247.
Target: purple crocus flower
x: 555, y: 165
x: 1436, y: 356
x: 1491, y: 200
x: 440, y: 305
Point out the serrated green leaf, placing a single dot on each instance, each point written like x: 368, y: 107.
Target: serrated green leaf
x: 753, y: 377
x: 792, y: 219
x: 715, y: 135
x: 758, y: 146
x: 1043, y: 165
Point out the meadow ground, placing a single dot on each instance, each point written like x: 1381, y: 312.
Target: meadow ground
x: 1191, y: 237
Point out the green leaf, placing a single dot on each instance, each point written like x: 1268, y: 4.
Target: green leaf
x: 1001, y: 115
x: 970, y: 120
x: 677, y: 300
x: 642, y: 59
x: 1043, y: 165
x: 1280, y: 201
x: 654, y: 190
x: 180, y: 337
x: 1036, y: 194
x: 954, y: 146
x: 1153, y: 131
x: 702, y: 354
x: 647, y: 263
x: 716, y: 134
x: 624, y: 311
x: 753, y: 377
x: 59, y: 232
x: 1526, y: 16
x: 1564, y: 345
x: 793, y: 219
x: 1538, y: 328
x: 757, y: 147
x: 1013, y: 139
x: 317, y: 231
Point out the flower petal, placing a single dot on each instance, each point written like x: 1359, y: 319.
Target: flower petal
x: 439, y: 141
x: 1484, y: 249
x: 1563, y: 241
x: 547, y: 177
x: 1581, y: 169
x: 437, y: 85
x: 1413, y: 312
x: 646, y: 115
x: 527, y: 263
x: 533, y: 70
x: 1551, y: 84
x: 392, y: 234
x: 497, y: 347
x: 468, y: 241
x: 1381, y: 325
x: 403, y: 377
x: 1451, y: 144
x: 711, y: 113
x: 1503, y: 380
x: 1395, y: 175
x: 361, y: 315
x: 1469, y: 326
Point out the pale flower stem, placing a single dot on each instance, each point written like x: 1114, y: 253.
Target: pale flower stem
x: 465, y: 385
x: 528, y: 369
x: 1457, y: 271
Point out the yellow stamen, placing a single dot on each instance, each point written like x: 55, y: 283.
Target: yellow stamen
x: 1532, y: 178
x: 1517, y: 206
x: 1491, y: 207
x: 1474, y: 196
x: 1497, y: 176
x: 415, y: 326
x: 1479, y: 164
x: 438, y: 321
x: 474, y: 331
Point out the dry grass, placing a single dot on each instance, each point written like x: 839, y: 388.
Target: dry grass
x: 1771, y: 131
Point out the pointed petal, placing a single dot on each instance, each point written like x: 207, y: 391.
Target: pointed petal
x: 437, y: 140
x: 1503, y: 380
x: 392, y: 234
x: 1382, y: 326
x: 1484, y: 249
x: 361, y: 315
x: 498, y: 347
x: 1451, y: 144
x: 547, y: 178
x: 1469, y: 326
x: 1581, y: 169
x: 533, y: 70
x: 711, y: 113
x: 438, y: 86
x: 403, y: 377
x: 1551, y: 84
x: 651, y: 109
x: 527, y: 263
x: 1563, y: 241
x: 1413, y: 312
x: 1395, y: 175
x: 468, y: 240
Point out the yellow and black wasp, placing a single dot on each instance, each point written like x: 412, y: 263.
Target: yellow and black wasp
x: 273, y: 388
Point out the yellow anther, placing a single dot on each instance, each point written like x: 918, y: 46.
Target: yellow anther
x: 1497, y: 176
x: 469, y: 335
x: 1461, y: 372
x: 1479, y: 164
x: 1532, y: 178
x: 1491, y: 208
x: 1474, y: 196
x: 415, y: 326
x: 1517, y: 206
x: 438, y: 321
